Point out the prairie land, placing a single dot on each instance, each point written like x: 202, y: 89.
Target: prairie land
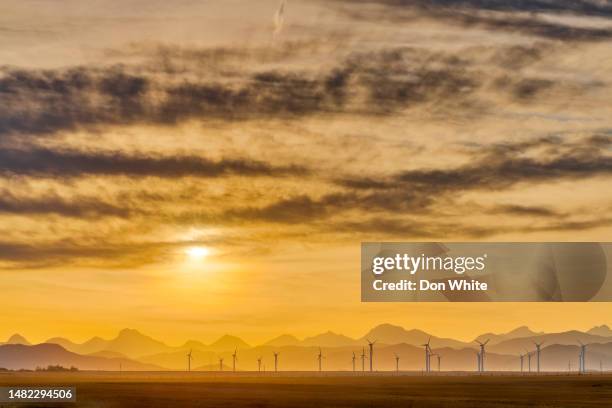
x: 199, y: 389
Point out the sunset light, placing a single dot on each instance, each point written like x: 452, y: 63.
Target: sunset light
x: 197, y: 253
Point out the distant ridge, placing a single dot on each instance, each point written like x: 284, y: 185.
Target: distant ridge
x: 328, y: 339
x: 132, y: 347
x: 19, y: 356
x: 283, y: 340
x: 603, y: 330
x: 128, y: 342
x: 391, y: 334
x: 519, y: 332
x: 228, y: 342
x: 131, y: 344
x: 17, y: 339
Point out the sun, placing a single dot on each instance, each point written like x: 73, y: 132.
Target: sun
x: 197, y: 253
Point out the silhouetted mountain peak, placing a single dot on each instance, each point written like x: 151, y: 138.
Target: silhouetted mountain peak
x: 522, y: 331
x: 519, y: 332
x: 228, y: 342
x: 328, y: 339
x: 193, y: 344
x: 19, y: 356
x: 603, y: 330
x: 17, y: 339
x: 283, y: 340
x: 130, y: 333
x: 392, y: 334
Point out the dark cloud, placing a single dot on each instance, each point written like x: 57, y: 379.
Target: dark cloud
x: 518, y: 56
x: 303, y: 209
x: 524, y: 210
x: 400, y: 77
x: 38, y: 253
x: 580, y: 7
x: 42, y: 162
x: 41, y: 102
x: 409, y: 229
x: 493, y: 168
x: 504, y: 165
x: 524, y: 89
x: 533, y: 26
x: 77, y: 207
x: 41, y: 255
x: 569, y: 225
x: 509, y: 16
x: 298, y: 209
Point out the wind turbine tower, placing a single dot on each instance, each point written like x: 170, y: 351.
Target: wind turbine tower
x: 582, y: 357
x: 259, y: 364
x: 276, y: 361
x: 234, y: 359
x: 371, y: 345
x: 427, y: 355
x: 538, y: 345
x: 397, y: 358
x: 189, y: 357
x: 522, y: 358
x: 363, y: 358
x: 320, y: 359
x: 439, y: 358
x: 528, y: 360
x: 220, y: 363
x: 482, y: 354
x: 354, y: 358
x: 478, y: 361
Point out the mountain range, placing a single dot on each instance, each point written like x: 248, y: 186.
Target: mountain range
x: 133, y: 350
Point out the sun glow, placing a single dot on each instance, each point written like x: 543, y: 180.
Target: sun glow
x: 197, y: 253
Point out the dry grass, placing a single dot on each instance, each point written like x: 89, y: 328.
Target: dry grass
x: 308, y: 390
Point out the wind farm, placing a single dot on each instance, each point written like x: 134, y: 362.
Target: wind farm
x: 383, y: 349
x: 391, y: 372
x: 186, y: 188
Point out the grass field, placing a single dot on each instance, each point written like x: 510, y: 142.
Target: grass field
x: 327, y: 390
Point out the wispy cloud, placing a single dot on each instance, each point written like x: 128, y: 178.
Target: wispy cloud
x: 49, y: 163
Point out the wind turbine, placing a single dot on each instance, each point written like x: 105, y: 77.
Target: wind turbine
x: 363, y: 358
x: 427, y: 353
x: 582, y: 357
x: 538, y: 354
x: 439, y: 358
x: 478, y: 361
x: 397, y: 358
x: 482, y: 354
x: 189, y: 357
x: 320, y: 359
x: 220, y: 363
x: 371, y: 345
x: 354, y: 357
x: 259, y: 364
x: 522, y: 358
x: 528, y: 360
x: 234, y: 359
x: 276, y: 361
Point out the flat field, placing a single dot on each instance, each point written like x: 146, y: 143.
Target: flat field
x: 411, y: 390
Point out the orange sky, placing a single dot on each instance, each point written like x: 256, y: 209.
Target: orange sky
x: 132, y: 132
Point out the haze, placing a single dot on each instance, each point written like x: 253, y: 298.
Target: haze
x: 133, y: 132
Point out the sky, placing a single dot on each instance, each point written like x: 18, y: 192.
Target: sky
x: 208, y: 167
